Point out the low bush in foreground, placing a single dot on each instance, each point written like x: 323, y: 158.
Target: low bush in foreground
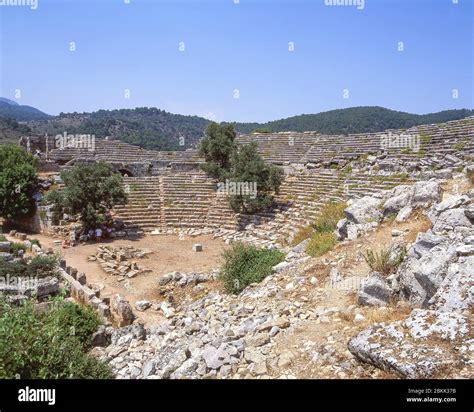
x: 385, y: 261
x: 38, y: 267
x: 15, y: 248
x: 246, y: 264
x: 51, y: 345
x: 320, y: 243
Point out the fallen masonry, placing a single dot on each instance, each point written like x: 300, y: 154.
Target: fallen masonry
x: 120, y: 261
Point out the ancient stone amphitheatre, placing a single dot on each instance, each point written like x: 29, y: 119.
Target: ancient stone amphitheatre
x: 333, y: 315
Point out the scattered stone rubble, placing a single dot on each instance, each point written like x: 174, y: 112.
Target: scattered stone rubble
x: 120, y: 261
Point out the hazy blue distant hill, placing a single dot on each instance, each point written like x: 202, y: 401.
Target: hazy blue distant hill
x: 157, y: 129
x: 5, y: 100
x: 12, y: 110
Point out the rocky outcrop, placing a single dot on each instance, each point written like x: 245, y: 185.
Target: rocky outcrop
x: 437, y: 275
x: 374, y: 291
x: 122, y: 311
x: 426, y: 343
x: 365, y: 213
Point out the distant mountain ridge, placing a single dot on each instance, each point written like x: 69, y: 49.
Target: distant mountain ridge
x: 21, y: 113
x: 156, y: 129
x: 364, y: 119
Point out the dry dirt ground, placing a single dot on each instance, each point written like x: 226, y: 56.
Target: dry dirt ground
x: 170, y: 253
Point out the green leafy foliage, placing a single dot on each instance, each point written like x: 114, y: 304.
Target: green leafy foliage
x: 322, y: 237
x: 240, y: 166
x: 148, y: 127
x: 385, y: 261
x: 366, y: 119
x: 248, y: 166
x: 217, y: 147
x: 245, y: 264
x: 39, y: 266
x: 15, y: 247
x: 91, y: 191
x: 56, y: 199
x: 17, y: 182
x: 11, y: 130
x: 302, y: 234
x: 262, y: 130
x: 50, y: 345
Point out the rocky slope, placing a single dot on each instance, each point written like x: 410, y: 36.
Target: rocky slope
x: 310, y: 318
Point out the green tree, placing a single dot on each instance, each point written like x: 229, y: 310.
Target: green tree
x: 262, y: 130
x: 91, y: 191
x: 17, y: 182
x: 217, y: 147
x: 48, y: 345
x: 264, y: 180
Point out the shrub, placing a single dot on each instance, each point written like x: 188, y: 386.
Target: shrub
x: 18, y: 171
x: 320, y: 243
x: 385, y: 261
x: 2, y: 238
x: 35, y: 242
x: 15, y: 247
x: 459, y: 146
x: 331, y: 213
x: 55, y: 198
x: 43, y: 266
x: 39, y: 266
x: 262, y: 130
x: 38, y: 346
x: 69, y: 319
x: 246, y: 264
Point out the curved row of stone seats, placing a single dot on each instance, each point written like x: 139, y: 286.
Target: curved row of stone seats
x: 144, y: 203
x: 102, y: 149
x: 178, y: 200
x: 287, y: 147
x: 311, y: 147
x: 190, y: 200
x: 308, y: 192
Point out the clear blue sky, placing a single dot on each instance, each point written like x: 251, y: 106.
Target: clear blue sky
x: 238, y: 46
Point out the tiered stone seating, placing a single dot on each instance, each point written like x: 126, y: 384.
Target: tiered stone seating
x: 190, y: 200
x: 187, y: 198
x: 107, y: 150
x: 282, y: 148
x: 311, y: 147
x: 144, y: 203
x: 178, y: 200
